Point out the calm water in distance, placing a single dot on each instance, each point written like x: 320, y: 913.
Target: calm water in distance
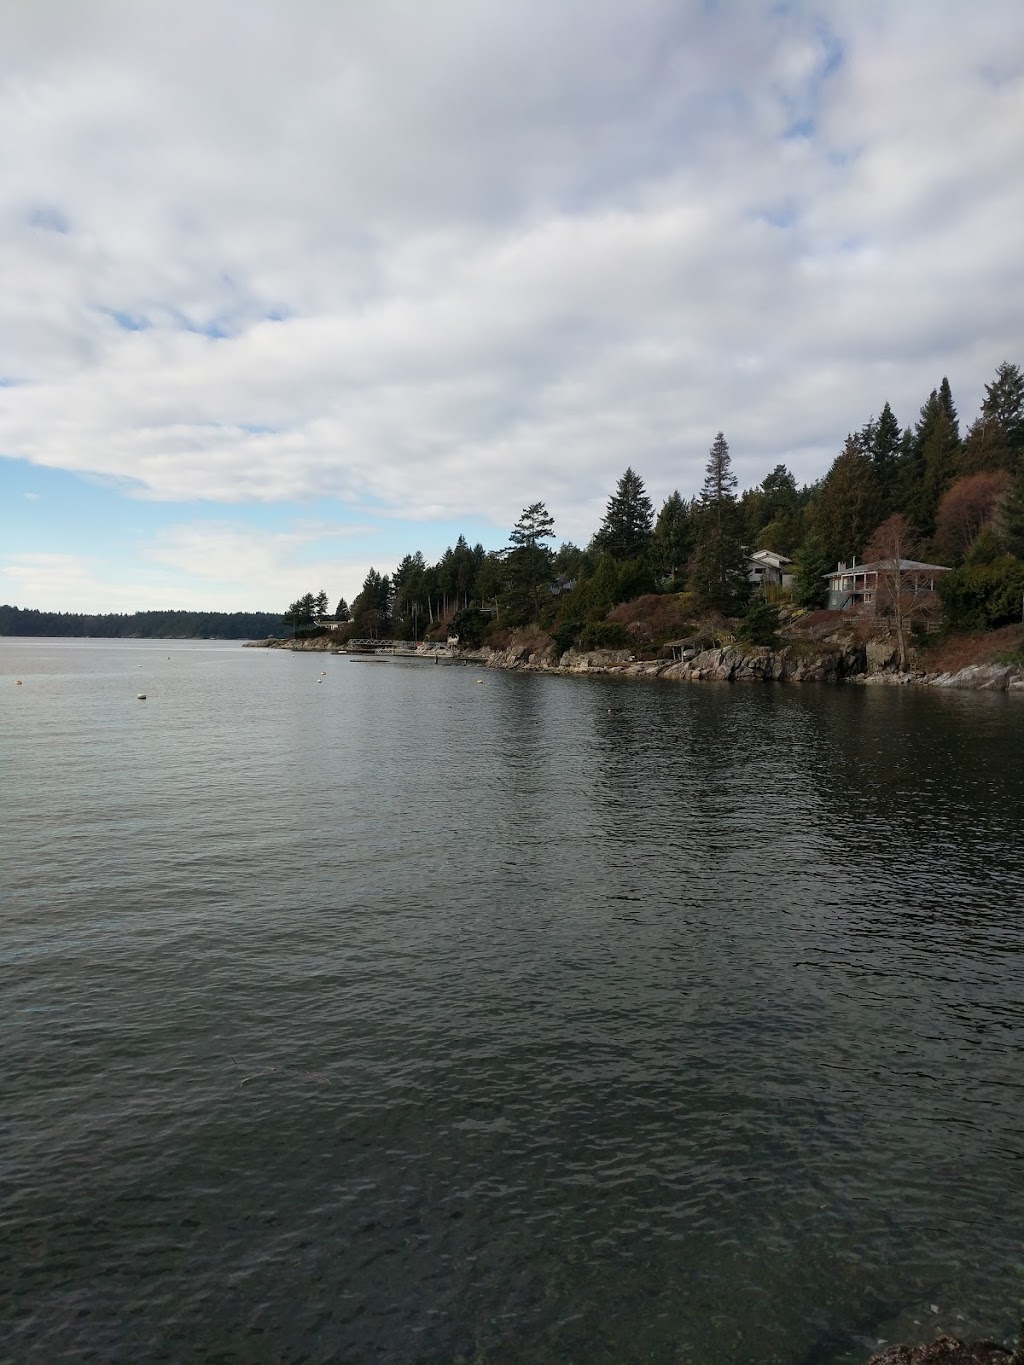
x: 404, y: 1017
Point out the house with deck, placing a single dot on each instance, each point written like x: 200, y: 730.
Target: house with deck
x: 857, y: 585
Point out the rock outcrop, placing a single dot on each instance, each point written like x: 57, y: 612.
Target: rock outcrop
x: 982, y: 678
x: 823, y: 663
x: 323, y: 643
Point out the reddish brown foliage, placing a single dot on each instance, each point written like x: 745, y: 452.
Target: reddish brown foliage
x: 653, y: 617
x: 961, y: 651
x: 967, y: 508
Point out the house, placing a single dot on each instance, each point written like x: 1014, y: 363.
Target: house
x: 331, y: 622
x: 766, y: 568
x: 857, y: 585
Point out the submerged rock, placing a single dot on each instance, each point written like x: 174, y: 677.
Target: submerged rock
x: 945, y: 1350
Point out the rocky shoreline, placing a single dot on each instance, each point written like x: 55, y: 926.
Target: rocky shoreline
x: 871, y: 664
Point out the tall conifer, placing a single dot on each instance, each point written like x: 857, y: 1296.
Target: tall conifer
x: 625, y: 533
x: 719, y: 575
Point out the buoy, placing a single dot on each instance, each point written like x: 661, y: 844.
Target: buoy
x: 17, y: 682
x: 480, y: 682
x: 141, y: 696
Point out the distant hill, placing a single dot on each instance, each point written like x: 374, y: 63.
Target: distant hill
x: 146, y: 625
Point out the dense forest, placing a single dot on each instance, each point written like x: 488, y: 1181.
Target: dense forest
x: 145, y: 625
x: 942, y: 495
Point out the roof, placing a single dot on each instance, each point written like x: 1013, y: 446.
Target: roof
x: 770, y: 557
x: 907, y: 565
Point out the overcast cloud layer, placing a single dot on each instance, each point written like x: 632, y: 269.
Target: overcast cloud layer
x: 298, y: 273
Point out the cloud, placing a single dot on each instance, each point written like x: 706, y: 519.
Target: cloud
x: 217, y: 566
x: 443, y: 261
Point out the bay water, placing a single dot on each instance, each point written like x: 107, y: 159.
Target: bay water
x: 427, y: 1014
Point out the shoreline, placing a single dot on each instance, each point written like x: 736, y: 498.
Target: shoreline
x: 857, y: 665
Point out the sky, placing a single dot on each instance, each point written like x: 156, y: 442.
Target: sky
x: 295, y: 287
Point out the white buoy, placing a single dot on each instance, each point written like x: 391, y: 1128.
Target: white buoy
x: 141, y: 696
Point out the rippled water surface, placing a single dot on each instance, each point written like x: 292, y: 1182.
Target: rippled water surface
x: 404, y: 1017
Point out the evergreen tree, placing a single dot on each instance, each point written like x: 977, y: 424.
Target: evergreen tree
x: 673, y: 539
x: 321, y: 603
x: 996, y: 439
x: 986, y: 448
x: 625, y: 533
x: 529, y: 564
x: 719, y: 573
x: 341, y: 612
x: 533, y: 527
x: 772, y: 514
x: 409, y: 593
x: 882, y: 440
x: 302, y: 613
x: 949, y: 407
x: 849, y: 505
x: 371, y: 611
x: 1011, y: 518
x: 810, y: 588
x: 760, y: 625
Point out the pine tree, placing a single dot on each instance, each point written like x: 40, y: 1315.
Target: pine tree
x: 625, y: 533
x: 719, y: 574
x: 528, y: 564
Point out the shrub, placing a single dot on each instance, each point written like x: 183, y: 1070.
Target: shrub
x: 603, y: 635
x: 760, y: 626
x: 983, y: 596
x: 470, y: 625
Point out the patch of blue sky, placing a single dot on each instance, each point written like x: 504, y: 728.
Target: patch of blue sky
x: 800, y: 129
x: 49, y: 218
x: 128, y: 322
x: 783, y: 215
x: 217, y: 328
x: 834, y: 50
x: 40, y: 505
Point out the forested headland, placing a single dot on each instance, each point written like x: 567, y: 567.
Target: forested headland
x: 925, y: 492
x: 145, y: 625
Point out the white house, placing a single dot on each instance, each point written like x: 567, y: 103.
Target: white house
x: 765, y: 567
